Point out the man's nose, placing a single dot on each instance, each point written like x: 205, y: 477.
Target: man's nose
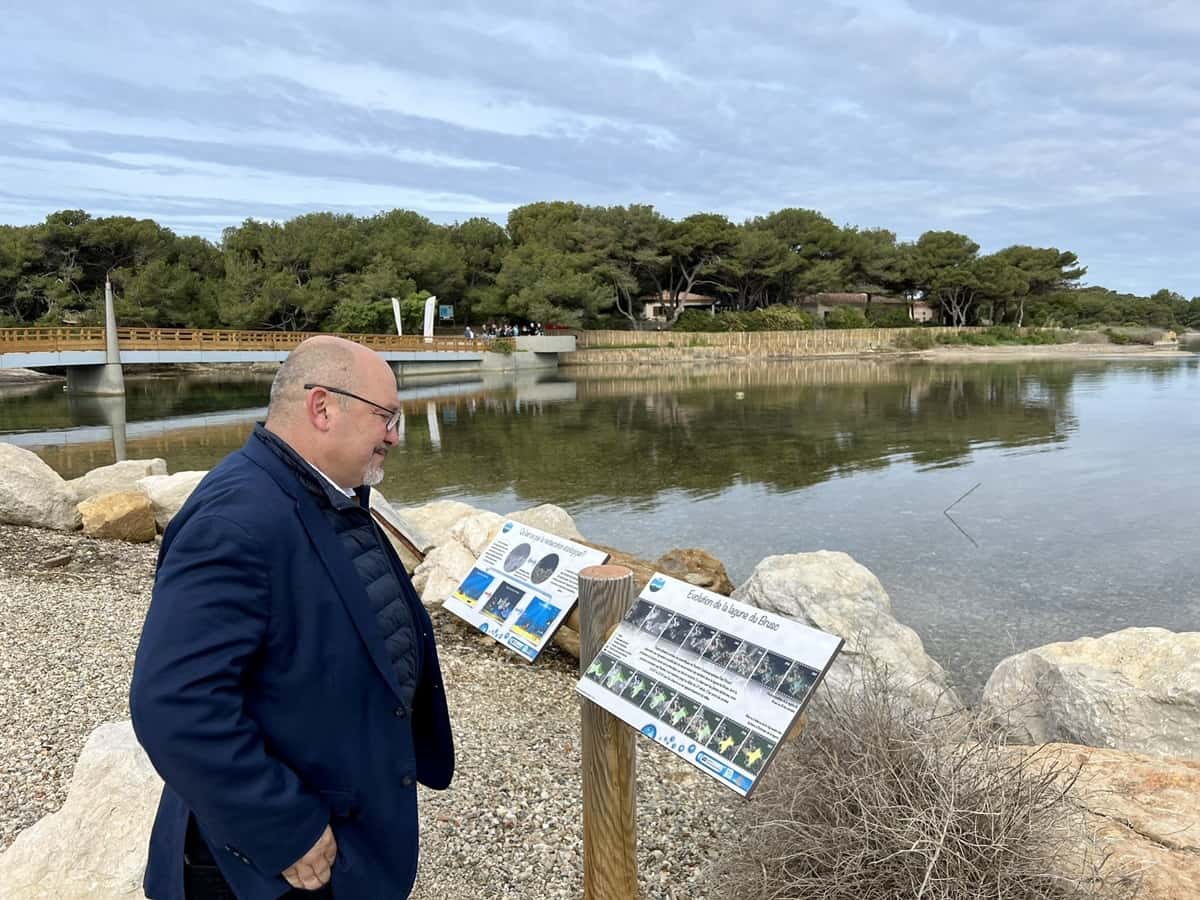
x: 391, y: 437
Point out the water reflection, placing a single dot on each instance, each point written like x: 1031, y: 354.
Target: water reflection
x: 435, y: 433
x: 632, y: 435
x: 50, y: 408
x: 193, y: 421
x: 601, y: 434
x: 1084, y: 521
x: 110, y: 410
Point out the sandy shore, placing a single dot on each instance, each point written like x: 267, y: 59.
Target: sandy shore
x: 26, y: 376
x: 1052, y: 351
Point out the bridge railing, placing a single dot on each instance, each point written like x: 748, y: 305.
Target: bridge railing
x: 18, y: 340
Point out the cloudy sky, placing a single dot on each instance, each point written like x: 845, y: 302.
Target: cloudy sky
x: 1071, y: 124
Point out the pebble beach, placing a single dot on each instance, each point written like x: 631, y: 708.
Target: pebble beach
x: 510, y: 826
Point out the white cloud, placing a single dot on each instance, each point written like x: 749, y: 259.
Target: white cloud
x: 27, y: 115
x: 442, y: 97
x: 651, y: 62
x: 158, y: 178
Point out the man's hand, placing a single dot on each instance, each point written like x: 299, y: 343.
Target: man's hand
x: 312, y: 870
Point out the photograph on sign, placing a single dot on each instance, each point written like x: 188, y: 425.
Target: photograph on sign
x: 522, y: 587
x: 715, y: 681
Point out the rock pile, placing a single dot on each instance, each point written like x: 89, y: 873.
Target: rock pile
x: 115, y: 501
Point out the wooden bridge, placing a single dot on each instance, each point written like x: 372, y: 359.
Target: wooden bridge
x: 165, y: 340
x: 93, y: 363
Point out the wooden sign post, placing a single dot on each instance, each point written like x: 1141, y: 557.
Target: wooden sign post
x: 609, y: 752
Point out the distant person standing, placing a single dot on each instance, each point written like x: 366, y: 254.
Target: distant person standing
x: 468, y: 333
x: 287, y: 686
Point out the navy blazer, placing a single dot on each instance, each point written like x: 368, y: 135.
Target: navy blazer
x: 263, y: 694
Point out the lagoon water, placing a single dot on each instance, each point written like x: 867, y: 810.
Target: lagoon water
x: 1083, y: 515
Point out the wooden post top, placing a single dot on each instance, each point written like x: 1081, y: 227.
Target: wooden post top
x: 606, y: 572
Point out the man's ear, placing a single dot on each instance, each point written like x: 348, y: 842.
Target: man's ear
x: 316, y: 404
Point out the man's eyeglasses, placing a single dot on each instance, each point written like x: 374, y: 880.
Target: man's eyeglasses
x: 393, y: 414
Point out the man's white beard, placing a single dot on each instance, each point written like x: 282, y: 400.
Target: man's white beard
x: 374, y: 473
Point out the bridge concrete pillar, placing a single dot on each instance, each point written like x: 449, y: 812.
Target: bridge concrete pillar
x: 106, y: 380
x: 112, y: 352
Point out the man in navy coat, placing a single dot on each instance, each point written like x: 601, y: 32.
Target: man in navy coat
x: 287, y: 686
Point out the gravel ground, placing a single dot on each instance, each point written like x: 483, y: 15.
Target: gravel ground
x: 70, y: 611
x: 510, y: 825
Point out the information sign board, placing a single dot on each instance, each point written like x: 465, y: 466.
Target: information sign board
x: 522, y: 587
x: 717, y: 682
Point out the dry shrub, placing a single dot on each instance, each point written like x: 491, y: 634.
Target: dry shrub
x: 876, y: 801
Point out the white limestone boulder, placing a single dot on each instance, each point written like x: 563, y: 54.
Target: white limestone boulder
x: 437, y: 520
x: 462, y: 534
x: 1136, y: 689
x: 32, y: 493
x: 119, y: 515
x: 95, y: 846
x: 120, y: 476
x: 476, y: 531
x: 830, y: 591
x: 168, y: 493
x: 441, y: 572
x: 434, y: 520
x: 548, y: 518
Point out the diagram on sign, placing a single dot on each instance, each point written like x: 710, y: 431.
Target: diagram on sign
x: 522, y: 587
x: 715, y: 681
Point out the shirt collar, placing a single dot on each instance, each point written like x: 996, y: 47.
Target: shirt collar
x: 337, y: 487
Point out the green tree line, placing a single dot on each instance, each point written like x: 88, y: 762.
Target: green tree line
x: 553, y: 262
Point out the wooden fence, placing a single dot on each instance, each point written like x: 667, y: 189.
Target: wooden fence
x: 752, y: 343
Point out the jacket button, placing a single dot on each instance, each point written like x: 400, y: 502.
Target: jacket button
x: 406, y: 781
x: 399, y: 712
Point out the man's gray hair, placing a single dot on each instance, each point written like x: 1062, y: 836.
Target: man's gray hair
x: 316, y: 361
